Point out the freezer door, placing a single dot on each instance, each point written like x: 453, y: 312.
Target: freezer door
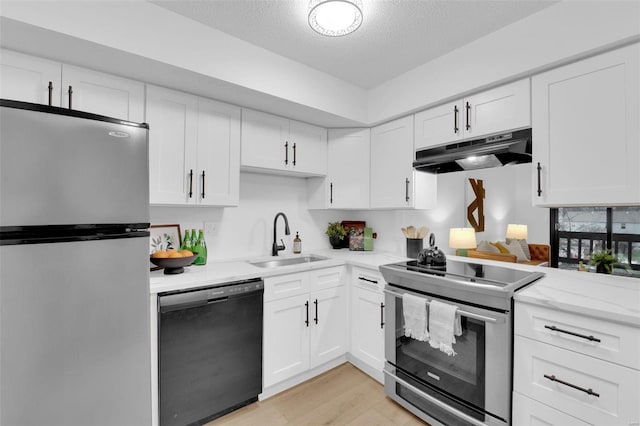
x: 75, y: 334
x: 61, y: 170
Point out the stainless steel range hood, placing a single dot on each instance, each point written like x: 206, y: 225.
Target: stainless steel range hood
x: 494, y: 151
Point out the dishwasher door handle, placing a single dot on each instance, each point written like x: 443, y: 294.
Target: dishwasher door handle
x: 220, y: 300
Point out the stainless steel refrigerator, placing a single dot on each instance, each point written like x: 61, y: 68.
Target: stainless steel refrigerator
x: 74, y: 269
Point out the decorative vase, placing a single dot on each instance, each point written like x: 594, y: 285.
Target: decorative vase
x: 601, y: 268
x: 336, y: 242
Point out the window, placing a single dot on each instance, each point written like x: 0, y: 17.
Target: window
x: 577, y: 232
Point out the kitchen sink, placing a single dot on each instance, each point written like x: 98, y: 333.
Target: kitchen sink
x: 274, y: 263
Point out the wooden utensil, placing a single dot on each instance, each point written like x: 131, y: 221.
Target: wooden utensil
x: 411, y: 231
x: 404, y: 232
x: 422, y: 232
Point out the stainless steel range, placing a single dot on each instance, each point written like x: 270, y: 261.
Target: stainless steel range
x: 474, y: 386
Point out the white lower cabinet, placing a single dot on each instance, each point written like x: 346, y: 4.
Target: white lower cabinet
x: 528, y: 412
x: 305, y: 318
x: 563, y: 371
x: 367, y: 321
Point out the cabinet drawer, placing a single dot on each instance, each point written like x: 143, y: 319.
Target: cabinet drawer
x: 368, y: 278
x: 527, y: 412
x: 617, y: 387
x: 325, y: 278
x: 618, y: 343
x: 286, y: 286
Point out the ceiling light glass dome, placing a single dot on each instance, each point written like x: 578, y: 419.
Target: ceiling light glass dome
x: 335, y: 18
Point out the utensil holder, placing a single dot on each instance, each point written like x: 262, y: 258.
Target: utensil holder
x: 414, y: 245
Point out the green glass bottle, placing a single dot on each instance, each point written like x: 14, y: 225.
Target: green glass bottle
x: 201, y: 248
x: 187, y: 242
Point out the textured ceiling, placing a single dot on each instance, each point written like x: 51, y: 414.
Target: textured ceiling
x: 395, y: 37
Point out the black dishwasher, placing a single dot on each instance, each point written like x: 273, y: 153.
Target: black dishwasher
x: 209, y: 351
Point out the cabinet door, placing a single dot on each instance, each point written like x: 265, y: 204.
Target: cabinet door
x: 27, y: 78
x: 329, y: 329
x: 348, y: 169
x: 439, y: 125
x: 218, y: 153
x: 503, y: 108
x: 265, y: 141
x: 172, y: 118
x: 367, y: 327
x: 586, y: 130
x: 286, y: 338
x: 307, y: 148
x: 102, y: 94
x: 391, y: 164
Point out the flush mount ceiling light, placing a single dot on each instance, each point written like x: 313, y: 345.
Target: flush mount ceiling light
x: 335, y: 18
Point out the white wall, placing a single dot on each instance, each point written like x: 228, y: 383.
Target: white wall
x: 552, y: 36
x: 247, y: 231
x: 140, y: 28
x: 507, y: 200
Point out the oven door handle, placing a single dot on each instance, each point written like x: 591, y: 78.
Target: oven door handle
x: 433, y: 400
x: 460, y: 312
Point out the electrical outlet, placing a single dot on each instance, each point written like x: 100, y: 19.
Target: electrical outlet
x: 210, y: 228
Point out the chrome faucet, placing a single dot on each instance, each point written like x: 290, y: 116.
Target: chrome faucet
x: 276, y: 248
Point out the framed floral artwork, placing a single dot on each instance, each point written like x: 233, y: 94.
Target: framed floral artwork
x: 164, y: 237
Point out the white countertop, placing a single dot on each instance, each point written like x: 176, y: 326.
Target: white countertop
x: 228, y: 271
x: 610, y: 297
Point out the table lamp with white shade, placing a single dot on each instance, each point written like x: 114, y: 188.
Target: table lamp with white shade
x: 462, y: 239
x: 516, y: 232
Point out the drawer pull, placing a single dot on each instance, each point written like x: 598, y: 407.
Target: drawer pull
x: 587, y: 391
x: 368, y: 280
x: 590, y: 338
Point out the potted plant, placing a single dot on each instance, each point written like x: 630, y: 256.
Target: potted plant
x: 336, y: 233
x: 604, y: 261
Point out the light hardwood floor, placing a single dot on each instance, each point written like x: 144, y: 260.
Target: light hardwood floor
x: 342, y: 396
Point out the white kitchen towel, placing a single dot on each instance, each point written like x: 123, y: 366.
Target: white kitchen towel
x: 414, y: 310
x: 442, y: 325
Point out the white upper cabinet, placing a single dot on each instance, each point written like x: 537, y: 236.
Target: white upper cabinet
x: 172, y: 118
x: 586, y: 131
x: 346, y: 185
x: 394, y: 183
x: 193, y: 149
x: 276, y: 144
x: 218, y: 153
x: 103, y: 94
x: 29, y: 79
x: 309, y: 147
x: 501, y: 109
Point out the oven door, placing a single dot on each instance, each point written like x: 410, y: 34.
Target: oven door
x: 474, y: 384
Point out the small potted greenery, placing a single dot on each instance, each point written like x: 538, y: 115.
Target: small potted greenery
x: 336, y: 233
x: 604, y: 261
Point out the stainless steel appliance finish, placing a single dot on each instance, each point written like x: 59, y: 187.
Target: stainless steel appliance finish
x: 210, y: 351
x: 474, y: 386
x: 493, y: 151
x: 74, y: 276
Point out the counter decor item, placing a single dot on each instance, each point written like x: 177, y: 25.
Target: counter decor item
x: 433, y: 257
x: 163, y: 237
x: 297, y: 244
x: 200, y: 248
x: 414, y: 238
x: 336, y: 233
x: 173, y: 265
x: 603, y: 261
x: 355, y: 226
x: 356, y: 239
